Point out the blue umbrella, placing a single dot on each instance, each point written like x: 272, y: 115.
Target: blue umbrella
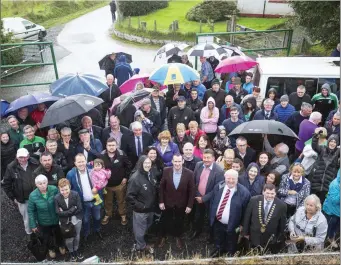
x: 29, y: 100
x: 4, y: 107
x: 73, y: 84
x: 174, y: 73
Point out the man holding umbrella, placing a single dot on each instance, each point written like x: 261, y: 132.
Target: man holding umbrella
x: 108, y: 63
x: 206, y: 73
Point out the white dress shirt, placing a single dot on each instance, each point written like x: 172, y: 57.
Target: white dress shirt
x: 226, y: 213
x: 86, y: 187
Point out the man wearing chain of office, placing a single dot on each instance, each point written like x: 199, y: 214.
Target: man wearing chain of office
x: 264, y: 221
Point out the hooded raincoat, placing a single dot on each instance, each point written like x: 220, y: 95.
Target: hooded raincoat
x: 209, y: 118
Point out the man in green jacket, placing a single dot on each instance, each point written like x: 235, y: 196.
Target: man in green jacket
x: 15, y: 132
x: 34, y: 144
x: 325, y: 101
x: 42, y: 214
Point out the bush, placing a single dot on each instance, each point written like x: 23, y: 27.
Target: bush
x: 10, y: 56
x: 139, y: 8
x: 212, y: 10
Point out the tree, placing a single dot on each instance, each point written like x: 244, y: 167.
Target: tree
x: 139, y: 8
x: 321, y: 20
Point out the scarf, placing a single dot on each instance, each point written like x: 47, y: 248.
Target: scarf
x: 227, y: 166
x: 296, y: 187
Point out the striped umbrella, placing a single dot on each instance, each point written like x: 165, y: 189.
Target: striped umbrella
x: 206, y: 50
x: 174, y: 73
x: 170, y: 49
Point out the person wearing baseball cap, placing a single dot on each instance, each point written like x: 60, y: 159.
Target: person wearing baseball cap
x: 284, y: 109
x: 172, y: 95
x: 18, y: 182
x: 237, y: 92
x: 153, y: 115
x: 179, y: 114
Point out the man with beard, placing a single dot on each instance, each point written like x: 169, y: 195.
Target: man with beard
x: 120, y: 167
x: 49, y: 169
x: 179, y: 114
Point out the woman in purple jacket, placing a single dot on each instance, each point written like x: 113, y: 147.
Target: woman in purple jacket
x: 166, y: 147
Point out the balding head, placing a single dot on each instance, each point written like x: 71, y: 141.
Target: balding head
x: 86, y: 122
x: 231, y: 178
x: 188, y: 150
x: 229, y: 101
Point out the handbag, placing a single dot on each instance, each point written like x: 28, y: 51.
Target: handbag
x: 68, y: 229
x: 37, y: 247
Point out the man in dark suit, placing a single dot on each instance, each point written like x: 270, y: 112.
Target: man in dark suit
x: 158, y: 103
x: 206, y: 175
x: 115, y: 130
x: 176, y: 199
x: 228, y: 203
x: 95, y: 131
x: 134, y: 144
x: 90, y: 148
x: 243, y: 152
x: 264, y: 220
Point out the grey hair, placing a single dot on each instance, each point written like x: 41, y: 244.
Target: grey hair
x: 241, y: 139
x: 110, y: 75
x: 66, y: 130
x: 40, y: 178
x: 315, y: 116
x: 136, y: 125
x: 283, y: 148
x: 85, y: 118
x: 232, y: 173
x: 337, y: 114
x: 28, y: 127
x: 306, y: 105
x: 268, y: 101
x: 316, y: 200
x: 301, y: 87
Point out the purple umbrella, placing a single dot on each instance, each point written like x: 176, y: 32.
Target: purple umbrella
x: 29, y: 100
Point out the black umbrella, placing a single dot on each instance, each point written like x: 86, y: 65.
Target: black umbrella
x: 264, y: 127
x: 134, y: 97
x: 106, y: 62
x: 69, y: 107
x: 128, y: 56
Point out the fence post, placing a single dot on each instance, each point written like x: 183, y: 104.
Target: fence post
x: 200, y: 27
x: 129, y: 22
x: 227, y: 25
x: 213, y: 27
x: 138, y: 22
x: 155, y: 28
x: 233, y: 28
x: 54, y: 61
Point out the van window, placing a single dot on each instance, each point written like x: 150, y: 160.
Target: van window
x: 287, y: 85
x: 27, y: 24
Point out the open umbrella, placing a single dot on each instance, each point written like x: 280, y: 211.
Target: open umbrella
x: 134, y: 98
x: 106, y: 62
x: 73, y: 84
x: 206, y: 50
x: 130, y: 84
x: 69, y: 107
x: 29, y: 100
x: 264, y: 127
x: 232, y: 50
x: 170, y: 49
x: 174, y: 73
x: 235, y: 64
x: 4, y: 107
x: 129, y: 58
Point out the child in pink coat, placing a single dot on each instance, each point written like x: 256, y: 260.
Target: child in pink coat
x: 99, y: 178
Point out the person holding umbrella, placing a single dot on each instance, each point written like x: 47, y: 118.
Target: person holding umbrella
x: 173, y: 94
x: 122, y: 70
x: 206, y: 73
x: 24, y: 118
x: 108, y: 63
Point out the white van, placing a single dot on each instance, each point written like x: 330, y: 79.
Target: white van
x: 286, y: 73
x: 22, y: 28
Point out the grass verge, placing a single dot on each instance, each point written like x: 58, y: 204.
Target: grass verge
x: 49, y: 13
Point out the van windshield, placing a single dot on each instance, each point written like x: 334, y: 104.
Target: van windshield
x: 287, y: 85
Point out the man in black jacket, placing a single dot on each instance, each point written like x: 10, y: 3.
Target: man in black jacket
x: 113, y: 10
x: 153, y: 115
x: 295, y: 119
x: 52, y: 171
x: 114, y: 130
x: 108, y: 96
x: 179, y: 114
x: 18, y: 182
x: 297, y: 98
x: 190, y: 161
x: 120, y: 167
x: 158, y: 103
x: 216, y: 93
x: 95, y: 131
x: 173, y: 94
x: 195, y: 104
x: 243, y: 152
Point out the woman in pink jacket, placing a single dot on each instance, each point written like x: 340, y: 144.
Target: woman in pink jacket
x: 209, y: 117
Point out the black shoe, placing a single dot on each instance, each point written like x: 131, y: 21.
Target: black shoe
x: 99, y: 235
x: 215, y: 254
x: 194, y: 235
x: 210, y: 240
x: 79, y: 255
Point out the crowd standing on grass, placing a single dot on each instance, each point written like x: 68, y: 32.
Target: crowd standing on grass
x: 172, y: 162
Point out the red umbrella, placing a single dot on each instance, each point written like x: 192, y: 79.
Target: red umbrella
x: 235, y: 64
x: 130, y: 84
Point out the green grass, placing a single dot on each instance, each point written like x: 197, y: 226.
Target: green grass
x: 177, y: 10
x: 49, y: 13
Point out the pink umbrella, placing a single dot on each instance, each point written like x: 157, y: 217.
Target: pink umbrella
x: 235, y: 64
x: 130, y: 84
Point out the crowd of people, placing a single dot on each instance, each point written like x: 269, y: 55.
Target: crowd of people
x: 172, y: 162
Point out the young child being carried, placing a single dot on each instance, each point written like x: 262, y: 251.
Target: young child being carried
x: 99, y: 178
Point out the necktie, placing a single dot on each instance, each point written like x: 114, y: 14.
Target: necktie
x: 223, y: 204
x: 266, y: 210
x: 267, y: 115
x: 139, y: 149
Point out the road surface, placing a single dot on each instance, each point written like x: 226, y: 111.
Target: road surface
x: 88, y: 39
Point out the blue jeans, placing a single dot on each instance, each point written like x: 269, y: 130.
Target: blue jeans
x: 91, y: 210
x: 333, y: 225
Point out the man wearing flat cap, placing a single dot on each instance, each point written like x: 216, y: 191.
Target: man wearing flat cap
x: 158, y: 103
x: 153, y: 115
x: 237, y: 92
x: 179, y: 114
x: 215, y: 92
x: 90, y: 148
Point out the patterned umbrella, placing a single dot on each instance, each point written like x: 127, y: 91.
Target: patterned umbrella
x: 170, y: 49
x: 206, y: 50
x: 232, y: 50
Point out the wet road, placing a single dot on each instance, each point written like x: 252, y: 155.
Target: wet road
x: 88, y: 39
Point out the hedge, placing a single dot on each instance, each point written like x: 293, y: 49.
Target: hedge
x: 139, y: 8
x: 212, y: 10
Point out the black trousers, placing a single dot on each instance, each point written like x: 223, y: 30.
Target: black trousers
x: 291, y: 209
x: 199, y: 216
x: 172, y: 221
x: 52, y: 236
x: 321, y: 194
x: 224, y: 241
x: 105, y: 109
